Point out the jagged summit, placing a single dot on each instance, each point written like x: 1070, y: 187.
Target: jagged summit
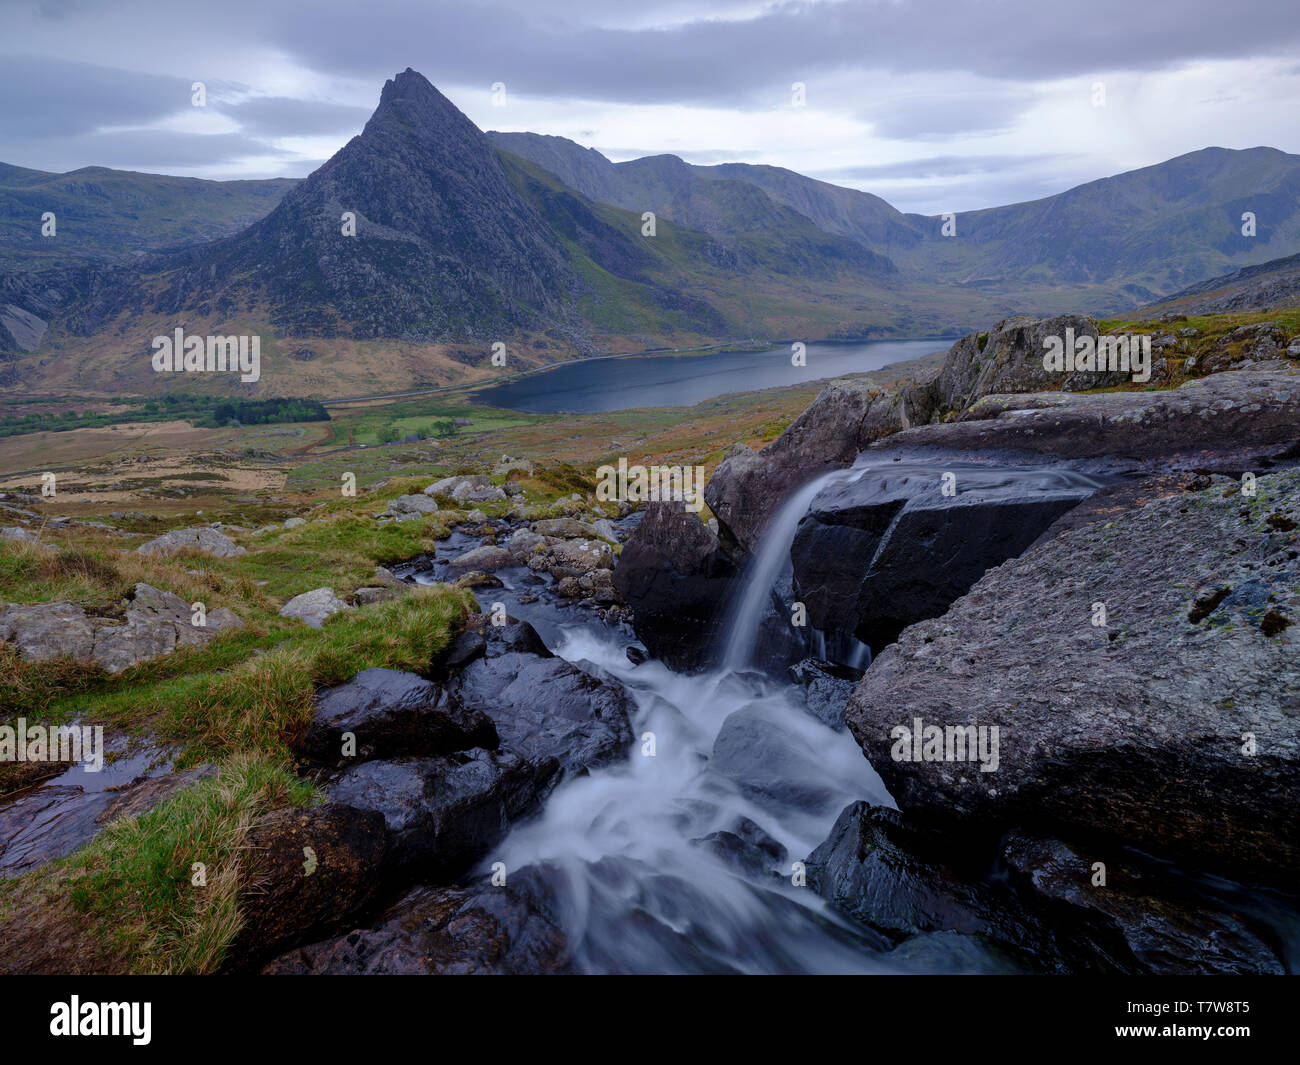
x: 444, y: 245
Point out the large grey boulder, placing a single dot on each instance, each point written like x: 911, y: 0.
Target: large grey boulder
x: 200, y: 538
x: 313, y: 607
x: 1171, y: 722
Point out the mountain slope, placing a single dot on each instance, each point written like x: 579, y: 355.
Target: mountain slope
x: 103, y: 213
x: 1134, y: 235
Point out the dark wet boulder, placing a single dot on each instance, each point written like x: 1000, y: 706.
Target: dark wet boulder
x: 1127, y: 695
x: 747, y: 849
x: 475, y: 929
x: 676, y: 577
x: 389, y: 714
x: 443, y: 814
x: 546, y: 708
x: 888, y: 549
x: 307, y: 871
x: 892, y: 876
x: 827, y: 687
x: 1133, y: 921
x: 771, y: 763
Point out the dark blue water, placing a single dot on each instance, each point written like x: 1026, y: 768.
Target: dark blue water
x: 599, y: 385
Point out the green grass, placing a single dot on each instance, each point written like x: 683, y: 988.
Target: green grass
x: 131, y: 891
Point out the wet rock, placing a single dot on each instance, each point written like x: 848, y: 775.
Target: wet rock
x: 827, y: 688
x: 1178, y: 736
x: 1124, y: 925
x: 476, y: 578
x: 485, y: 559
x: 308, y: 871
x: 313, y: 607
x: 476, y: 929
x: 55, y: 819
x: 444, y: 814
x: 547, y: 708
x: 391, y: 713
x: 677, y: 579
x: 770, y: 763
x: 876, y: 555
x: 201, y: 538
x: 747, y: 849
x: 884, y: 872
x: 460, y: 652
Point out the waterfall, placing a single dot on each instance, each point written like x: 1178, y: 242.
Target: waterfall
x: 769, y: 562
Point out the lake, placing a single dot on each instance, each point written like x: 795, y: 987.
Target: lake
x: 591, y: 386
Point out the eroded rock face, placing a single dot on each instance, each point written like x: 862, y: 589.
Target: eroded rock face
x: 1173, y: 723
x: 390, y: 713
x: 1236, y: 411
x: 201, y: 538
x: 676, y: 577
x: 477, y: 929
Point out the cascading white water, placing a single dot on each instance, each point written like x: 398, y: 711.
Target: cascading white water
x: 631, y: 877
x: 771, y: 559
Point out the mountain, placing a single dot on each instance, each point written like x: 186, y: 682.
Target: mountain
x: 1270, y: 286
x: 1120, y: 240
x: 423, y: 242
x: 101, y: 213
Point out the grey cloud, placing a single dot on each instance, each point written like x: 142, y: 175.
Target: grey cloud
x: 53, y: 98
x: 937, y: 166
x: 951, y: 114
x: 160, y: 150
x: 281, y: 116
x: 752, y: 61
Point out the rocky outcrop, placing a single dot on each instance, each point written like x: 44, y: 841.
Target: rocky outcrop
x: 1231, y: 414
x: 676, y: 577
x: 203, y: 539
x: 1143, y: 677
x: 476, y: 929
x: 748, y: 487
x: 155, y: 623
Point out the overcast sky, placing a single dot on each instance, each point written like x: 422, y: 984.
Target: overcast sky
x: 936, y: 106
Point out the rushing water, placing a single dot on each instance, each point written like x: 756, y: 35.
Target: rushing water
x: 595, y: 385
x: 637, y: 889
